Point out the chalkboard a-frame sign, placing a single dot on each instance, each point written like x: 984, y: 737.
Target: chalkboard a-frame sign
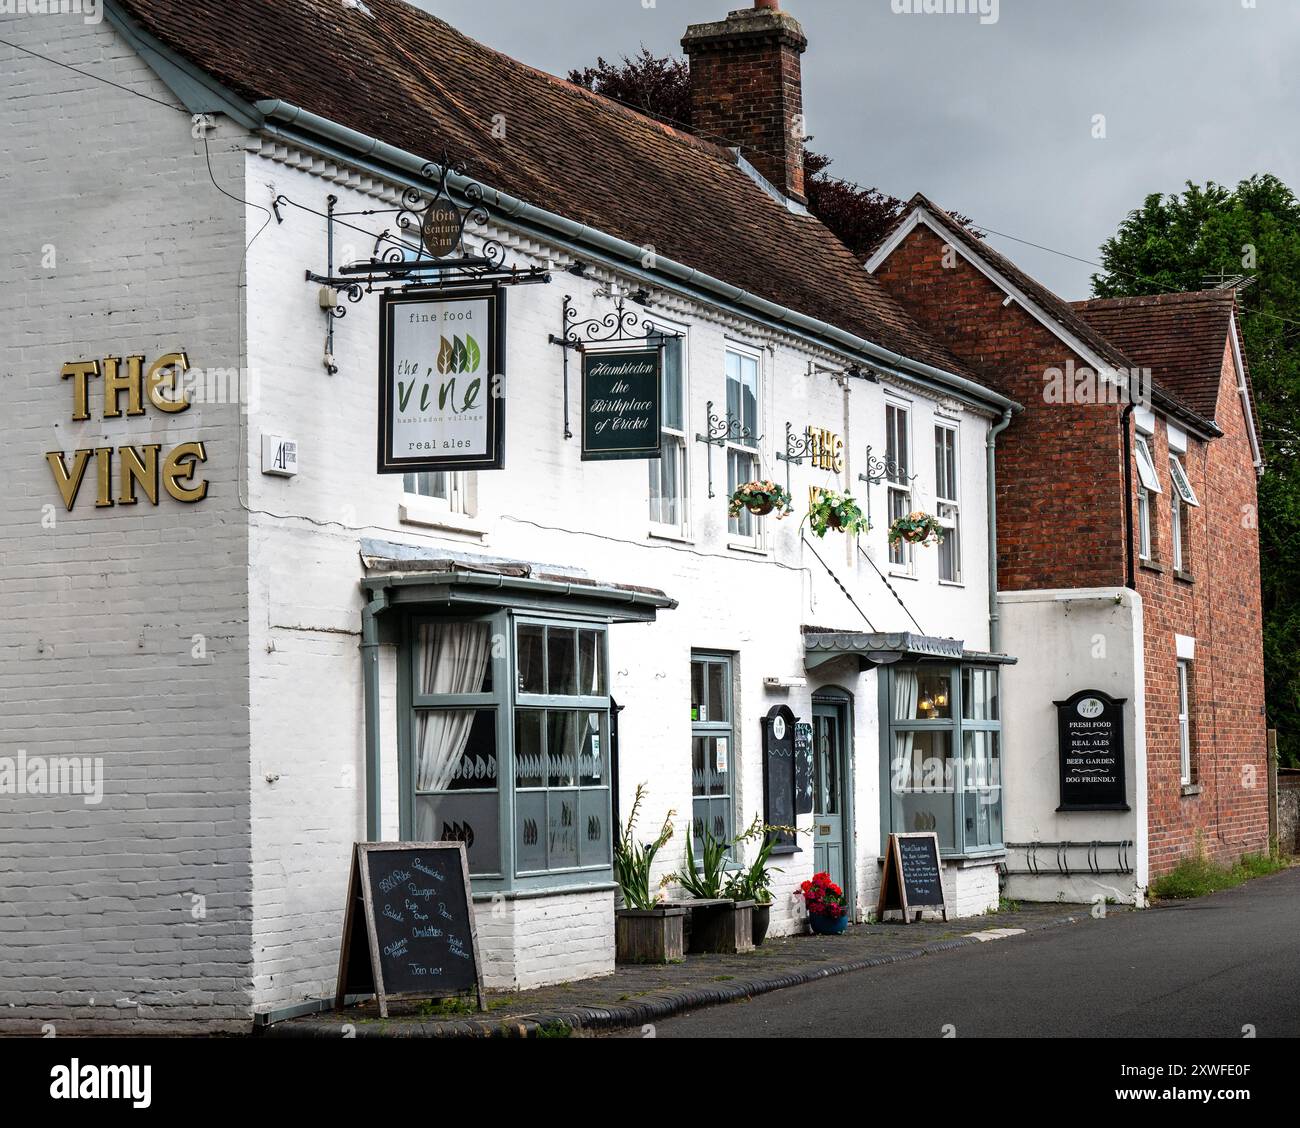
x: 409, y: 928
x: 913, y: 877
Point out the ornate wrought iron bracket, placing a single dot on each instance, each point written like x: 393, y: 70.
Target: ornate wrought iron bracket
x: 796, y: 450
x: 720, y: 431
x: 880, y: 470
x: 426, y: 251
x: 619, y: 325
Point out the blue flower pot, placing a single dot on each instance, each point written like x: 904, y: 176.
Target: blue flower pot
x: 828, y: 926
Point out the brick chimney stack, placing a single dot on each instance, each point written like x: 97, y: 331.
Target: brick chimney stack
x: 747, y: 89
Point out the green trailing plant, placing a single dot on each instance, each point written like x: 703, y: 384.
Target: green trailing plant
x: 831, y: 510
x: 916, y: 528
x: 633, y: 860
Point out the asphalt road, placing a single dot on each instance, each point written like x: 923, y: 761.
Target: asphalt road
x: 1203, y: 968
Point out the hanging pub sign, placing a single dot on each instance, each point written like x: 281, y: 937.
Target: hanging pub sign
x: 621, y: 404
x: 1090, y: 732
x: 441, y: 381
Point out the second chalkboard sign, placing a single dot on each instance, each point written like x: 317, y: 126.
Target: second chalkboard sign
x: 409, y: 929
x: 913, y: 877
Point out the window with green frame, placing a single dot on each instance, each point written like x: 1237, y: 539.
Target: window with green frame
x: 507, y: 746
x: 943, y: 755
x: 712, y: 749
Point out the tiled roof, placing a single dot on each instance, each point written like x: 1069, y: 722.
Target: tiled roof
x: 413, y: 81
x: 1180, y: 337
x: 1117, y: 350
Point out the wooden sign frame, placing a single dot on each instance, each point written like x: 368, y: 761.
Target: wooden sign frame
x: 359, y: 886
x: 893, y: 889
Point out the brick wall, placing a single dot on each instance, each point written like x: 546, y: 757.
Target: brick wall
x: 1225, y: 811
x: 1059, y: 484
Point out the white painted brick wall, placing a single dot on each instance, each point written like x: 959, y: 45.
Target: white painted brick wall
x: 98, y: 613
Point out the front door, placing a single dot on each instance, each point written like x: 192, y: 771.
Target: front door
x: 828, y: 791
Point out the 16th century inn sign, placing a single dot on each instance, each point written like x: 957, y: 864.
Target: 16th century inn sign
x: 621, y: 404
x: 123, y: 474
x: 441, y: 381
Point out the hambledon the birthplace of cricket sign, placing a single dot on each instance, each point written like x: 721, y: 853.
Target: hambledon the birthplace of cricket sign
x: 442, y: 381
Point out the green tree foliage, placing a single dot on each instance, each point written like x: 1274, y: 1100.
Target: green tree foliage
x: 1181, y: 242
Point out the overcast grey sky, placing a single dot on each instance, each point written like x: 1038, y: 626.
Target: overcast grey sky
x: 995, y: 120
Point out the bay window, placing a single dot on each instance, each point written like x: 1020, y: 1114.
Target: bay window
x: 943, y: 755
x: 507, y: 744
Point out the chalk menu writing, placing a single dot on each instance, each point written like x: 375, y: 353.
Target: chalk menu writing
x: 920, y: 864
x: 409, y: 929
x: 1090, y: 727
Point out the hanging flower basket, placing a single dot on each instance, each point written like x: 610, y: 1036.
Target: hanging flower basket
x: 760, y: 498
x: 916, y: 528
x: 831, y: 510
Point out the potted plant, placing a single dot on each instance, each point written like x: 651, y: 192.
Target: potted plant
x: 832, y: 510
x: 645, y: 930
x: 828, y: 911
x: 719, y: 923
x: 754, y: 883
x: 760, y: 498
x: 916, y: 528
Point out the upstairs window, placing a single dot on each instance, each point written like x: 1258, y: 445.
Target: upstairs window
x: 668, y: 474
x: 1148, y: 486
x: 948, y: 502
x: 898, y: 453
x: 742, y: 446
x: 1182, y: 499
x: 443, y: 489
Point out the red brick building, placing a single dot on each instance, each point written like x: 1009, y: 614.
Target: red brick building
x: 1128, y: 552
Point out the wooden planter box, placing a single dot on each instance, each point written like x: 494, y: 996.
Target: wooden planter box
x: 721, y: 926
x: 649, y: 936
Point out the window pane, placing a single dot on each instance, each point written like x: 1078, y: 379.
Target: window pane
x: 979, y: 695
x: 922, y: 695
x: 529, y: 771
x: 561, y: 661
x: 455, y: 750
x: 900, y: 505
x: 672, y: 395
x: 740, y: 469
x: 453, y: 658
x: 718, y: 710
x: 561, y: 748
x: 428, y: 485
x: 562, y: 829
x: 715, y: 814
x: 982, y: 781
x: 591, y: 664
x: 923, y: 785
x: 592, y: 751
x: 531, y: 658
x: 469, y: 818
x: 699, y: 752
x: 666, y: 483
x: 530, y: 831
x: 950, y: 546
x: 699, y: 706
x: 593, y: 827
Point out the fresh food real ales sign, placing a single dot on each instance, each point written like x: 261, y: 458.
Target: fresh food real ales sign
x: 621, y: 404
x: 441, y: 380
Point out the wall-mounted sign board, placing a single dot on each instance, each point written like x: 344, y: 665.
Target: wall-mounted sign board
x: 913, y: 877
x: 442, y: 395
x: 779, y: 784
x: 1090, y: 740
x: 409, y: 928
x: 621, y: 404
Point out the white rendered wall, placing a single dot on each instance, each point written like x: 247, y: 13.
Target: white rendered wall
x: 1068, y: 641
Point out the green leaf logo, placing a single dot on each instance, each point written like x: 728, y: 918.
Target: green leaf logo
x: 472, y: 354
x: 460, y: 358
x: 446, y: 361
